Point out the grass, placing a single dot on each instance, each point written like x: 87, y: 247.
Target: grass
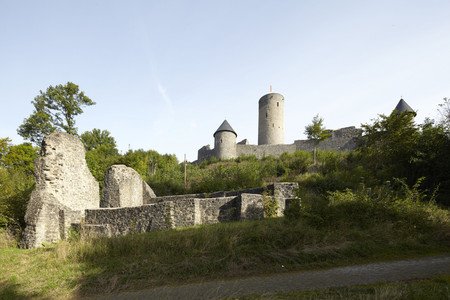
x: 437, y: 288
x: 340, y: 229
x: 230, y: 250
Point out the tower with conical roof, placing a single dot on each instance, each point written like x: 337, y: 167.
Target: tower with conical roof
x: 402, y: 106
x: 225, y: 141
x: 271, y: 119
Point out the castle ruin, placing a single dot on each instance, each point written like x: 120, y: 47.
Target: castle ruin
x: 271, y: 136
x: 67, y: 196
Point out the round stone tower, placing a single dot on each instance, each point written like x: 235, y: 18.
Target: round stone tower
x: 271, y: 119
x: 225, y: 141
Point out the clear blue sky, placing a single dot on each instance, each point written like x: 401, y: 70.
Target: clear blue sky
x: 165, y: 74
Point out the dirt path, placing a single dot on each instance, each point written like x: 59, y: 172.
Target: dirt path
x: 300, y: 281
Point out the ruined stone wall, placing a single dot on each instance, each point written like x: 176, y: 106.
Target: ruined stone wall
x: 124, y: 187
x: 64, y: 189
x: 205, y: 153
x: 218, y: 210
x: 186, y: 210
x: 343, y: 139
x: 251, y: 207
x: 127, y: 220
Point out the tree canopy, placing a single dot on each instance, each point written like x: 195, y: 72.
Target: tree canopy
x: 445, y: 113
x: 96, y: 138
x: 54, y: 110
x: 317, y: 132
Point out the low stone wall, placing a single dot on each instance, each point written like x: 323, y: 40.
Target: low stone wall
x: 251, y: 207
x: 188, y: 210
x: 126, y: 220
x: 174, y: 198
x: 218, y: 210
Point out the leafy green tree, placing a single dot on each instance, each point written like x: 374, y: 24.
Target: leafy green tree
x: 54, y: 110
x: 20, y: 157
x: 100, y: 159
x: 389, y: 145
x: 5, y: 143
x: 16, y: 182
x: 96, y: 138
x: 317, y: 133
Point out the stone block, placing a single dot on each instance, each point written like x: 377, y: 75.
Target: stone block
x: 124, y: 187
x: 251, y: 207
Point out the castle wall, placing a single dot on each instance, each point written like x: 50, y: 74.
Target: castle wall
x: 205, y: 153
x: 271, y: 119
x: 264, y: 150
x: 343, y: 139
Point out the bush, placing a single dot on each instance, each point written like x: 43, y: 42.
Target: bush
x: 16, y: 187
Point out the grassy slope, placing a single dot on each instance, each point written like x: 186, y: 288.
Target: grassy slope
x: 103, y: 265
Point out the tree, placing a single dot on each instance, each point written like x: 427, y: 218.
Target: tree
x: 20, y: 157
x: 5, y: 143
x: 389, y: 145
x: 317, y: 133
x: 54, y: 110
x: 96, y: 138
x: 16, y: 182
x: 445, y: 113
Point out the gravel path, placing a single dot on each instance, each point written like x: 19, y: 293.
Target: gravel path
x: 300, y: 281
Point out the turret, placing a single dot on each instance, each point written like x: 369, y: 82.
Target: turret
x: 402, y: 106
x: 225, y: 141
x: 271, y: 119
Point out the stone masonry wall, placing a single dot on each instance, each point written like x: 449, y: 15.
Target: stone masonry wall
x: 124, y: 187
x: 218, y: 210
x: 343, y: 139
x: 251, y: 207
x: 126, y: 220
x: 64, y: 189
x: 186, y: 210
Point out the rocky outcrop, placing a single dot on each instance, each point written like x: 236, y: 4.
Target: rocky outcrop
x: 64, y: 189
x: 124, y: 187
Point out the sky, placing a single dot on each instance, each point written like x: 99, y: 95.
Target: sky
x: 166, y: 74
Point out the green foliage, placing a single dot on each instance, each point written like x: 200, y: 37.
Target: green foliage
x: 317, y: 132
x: 406, y: 208
x: 99, y: 160
x: 389, y: 144
x: 54, y: 110
x: 394, y: 146
x: 97, y: 138
x: 15, y: 190
x: 270, y: 205
x: 5, y: 144
x: 20, y: 157
x: 293, y: 210
x: 445, y: 114
x: 16, y: 183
